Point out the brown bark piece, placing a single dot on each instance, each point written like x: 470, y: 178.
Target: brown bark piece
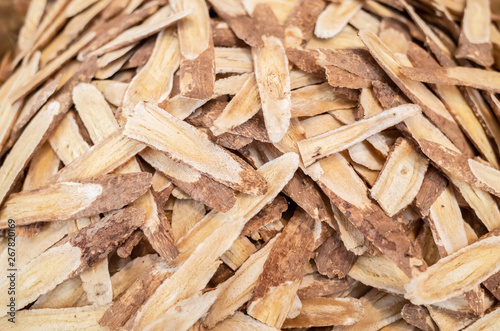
x: 283, y: 271
x: 269, y: 214
x: 433, y: 184
x: 419, y: 317
x: 333, y: 259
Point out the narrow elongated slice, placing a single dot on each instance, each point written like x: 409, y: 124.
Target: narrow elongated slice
x: 162, y: 19
x: 474, y: 43
x: 197, y: 72
x: 474, y: 77
x: 380, y: 309
x: 238, y: 289
x: 401, y: 178
x: 101, y: 158
x: 277, y: 286
x: 277, y: 173
x: 269, y: 214
x: 457, y: 273
x: 191, y: 277
x: 56, y: 319
x: 198, y: 186
x: 76, y: 199
x: 67, y: 141
x: 153, y: 126
x: 81, y: 250
x: 242, y: 322
x: 185, y: 215
x: 233, y: 60
x: 299, y: 25
x: 154, y: 80
x: 273, y: 79
x: 135, y: 295
x: 335, y: 17
x: 32, y: 137
x: 349, y: 194
x: 417, y: 92
x: 243, y: 106
x: 325, y: 312
x: 51, y: 68
x: 488, y: 322
x: 317, y: 99
x: 380, y: 272
x: 328, y: 143
x: 31, y: 22
x: 333, y: 259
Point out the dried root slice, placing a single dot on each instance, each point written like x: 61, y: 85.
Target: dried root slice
x: 299, y: 25
x: 243, y: 106
x: 457, y: 273
x: 380, y: 309
x: 417, y: 92
x: 233, y: 60
x: 419, y: 317
x: 191, y: 277
x: 317, y: 99
x: 67, y: 141
x: 56, y: 319
x: 335, y: 17
x: 273, y: 79
x: 196, y: 185
x: 380, y: 272
x: 32, y: 137
x: 242, y: 322
x: 464, y: 76
x: 97, y: 283
x: 487, y: 322
x: 401, y: 178
x: 185, y: 215
x: 239, y: 252
x: 278, y: 284
x: 32, y: 20
x: 323, y: 145
x: 474, y: 43
x: 277, y: 173
x: 155, y: 127
x: 82, y: 249
x: 315, y: 286
x: 197, y: 72
x: 238, y: 289
x: 269, y: 214
x: 349, y: 194
x: 327, y: 311
x: 154, y: 81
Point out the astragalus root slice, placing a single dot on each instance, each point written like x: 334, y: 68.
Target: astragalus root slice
x: 277, y: 286
x: 243, y: 106
x: 197, y: 72
x: 474, y: 77
x: 181, y: 141
x: 238, y: 289
x: 196, y: 185
x: 273, y: 80
x: 326, y: 311
x: 488, y: 322
x: 328, y: 143
x: 56, y: 319
x: 457, y: 273
x: 417, y: 92
x: 233, y: 60
x: 76, y: 199
x: 277, y: 173
x: 335, y: 17
x: 81, y: 250
x: 400, y: 179
x: 474, y: 43
x: 242, y: 322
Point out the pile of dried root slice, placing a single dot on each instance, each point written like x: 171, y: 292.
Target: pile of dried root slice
x: 252, y: 165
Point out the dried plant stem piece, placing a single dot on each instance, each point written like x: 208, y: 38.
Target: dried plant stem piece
x: 456, y: 273
x: 150, y: 124
x: 323, y: 145
x: 401, y: 178
x: 474, y: 43
x: 274, y: 89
